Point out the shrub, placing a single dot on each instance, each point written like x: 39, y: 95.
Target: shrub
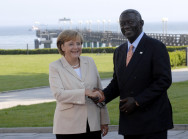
x: 177, y: 53
x: 177, y: 58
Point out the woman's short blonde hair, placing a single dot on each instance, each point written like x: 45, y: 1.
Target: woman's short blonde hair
x: 67, y: 35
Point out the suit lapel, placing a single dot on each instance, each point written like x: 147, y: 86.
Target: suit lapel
x: 123, y: 56
x: 84, y: 67
x: 68, y: 67
x: 136, y: 58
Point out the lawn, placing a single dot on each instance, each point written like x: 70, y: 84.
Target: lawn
x: 27, y: 71
x: 41, y: 115
x: 178, y: 94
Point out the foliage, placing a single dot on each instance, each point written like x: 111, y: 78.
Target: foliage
x: 176, y: 48
x: 177, y: 58
x: 53, y: 51
x: 84, y: 50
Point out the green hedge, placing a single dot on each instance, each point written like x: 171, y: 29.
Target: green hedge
x: 99, y: 50
x: 177, y: 57
x: 30, y: 51
x: 175, y: 48
x: 54, y: 51
x: 84, y: 50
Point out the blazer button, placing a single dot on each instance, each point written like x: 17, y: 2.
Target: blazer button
x: 83, y: 85
x: 131, y: 92
x: 134, y: 77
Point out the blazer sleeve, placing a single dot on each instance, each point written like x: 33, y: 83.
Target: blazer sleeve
x: 112, y: 90
x: 161, y: 76
x: 75, y: 96
x: 104, y: 116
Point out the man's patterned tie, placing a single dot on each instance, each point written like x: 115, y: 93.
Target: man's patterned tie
x: 129, y: 54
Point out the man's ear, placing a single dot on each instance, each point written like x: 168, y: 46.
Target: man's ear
x: 142, y: 22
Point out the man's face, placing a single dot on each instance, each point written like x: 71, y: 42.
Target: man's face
x: 131, y: 26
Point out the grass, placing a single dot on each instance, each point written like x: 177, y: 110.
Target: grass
x: 38, y: 115
x: 178, y: 94
x: 41, y: 115
x: 28, y: 71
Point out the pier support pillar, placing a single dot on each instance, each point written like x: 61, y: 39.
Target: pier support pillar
x: 84, y: 44
x: 88, y: 44
x: 36, y: 43
x: 47, y: 45
x: 100, y: 44
x: 95, y: 44
x: 186, y: 56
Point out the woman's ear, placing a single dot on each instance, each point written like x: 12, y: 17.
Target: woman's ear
x: 62, y: 47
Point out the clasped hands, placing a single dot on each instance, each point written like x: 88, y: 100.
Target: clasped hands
x: 97, y: 96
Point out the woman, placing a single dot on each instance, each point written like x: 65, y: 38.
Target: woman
x: 72, y: 80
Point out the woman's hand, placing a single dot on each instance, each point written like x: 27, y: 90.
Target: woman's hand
x: 95, y: 94
x: 104, y: 130
x: 102, y: 93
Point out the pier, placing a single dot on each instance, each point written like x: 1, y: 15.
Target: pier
x: 106, y: 38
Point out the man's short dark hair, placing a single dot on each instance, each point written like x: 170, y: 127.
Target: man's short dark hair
x: 132, y: 11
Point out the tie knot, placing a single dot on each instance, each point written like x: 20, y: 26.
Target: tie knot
x: 131, y: 47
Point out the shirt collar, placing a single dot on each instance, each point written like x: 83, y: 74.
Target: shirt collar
x: 136, y: 42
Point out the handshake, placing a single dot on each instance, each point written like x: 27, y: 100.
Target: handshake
x: 97, y: 96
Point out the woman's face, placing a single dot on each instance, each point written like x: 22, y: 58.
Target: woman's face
x: 72, y: 49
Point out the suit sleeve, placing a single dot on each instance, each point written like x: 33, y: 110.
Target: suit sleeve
x: 112, y: 90
x: 104, y: 116
x: 74, y: 96
x: 161, y: 76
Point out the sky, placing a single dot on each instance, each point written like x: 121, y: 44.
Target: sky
x: 27, y: 12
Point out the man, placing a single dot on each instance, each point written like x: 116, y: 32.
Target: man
x: 142, y: 75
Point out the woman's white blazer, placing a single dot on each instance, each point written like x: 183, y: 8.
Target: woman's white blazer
x: 73, y: 108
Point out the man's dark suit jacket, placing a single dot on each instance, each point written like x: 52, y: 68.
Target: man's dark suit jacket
x: 146, y: 78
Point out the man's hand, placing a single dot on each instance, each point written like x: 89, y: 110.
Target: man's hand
x: 99, y: 100
x: 93, y: 94
x: 128, y: 105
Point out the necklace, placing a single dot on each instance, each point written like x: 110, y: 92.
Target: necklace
x: 75, y: 66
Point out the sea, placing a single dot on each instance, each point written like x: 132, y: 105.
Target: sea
x: 21, y: 37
